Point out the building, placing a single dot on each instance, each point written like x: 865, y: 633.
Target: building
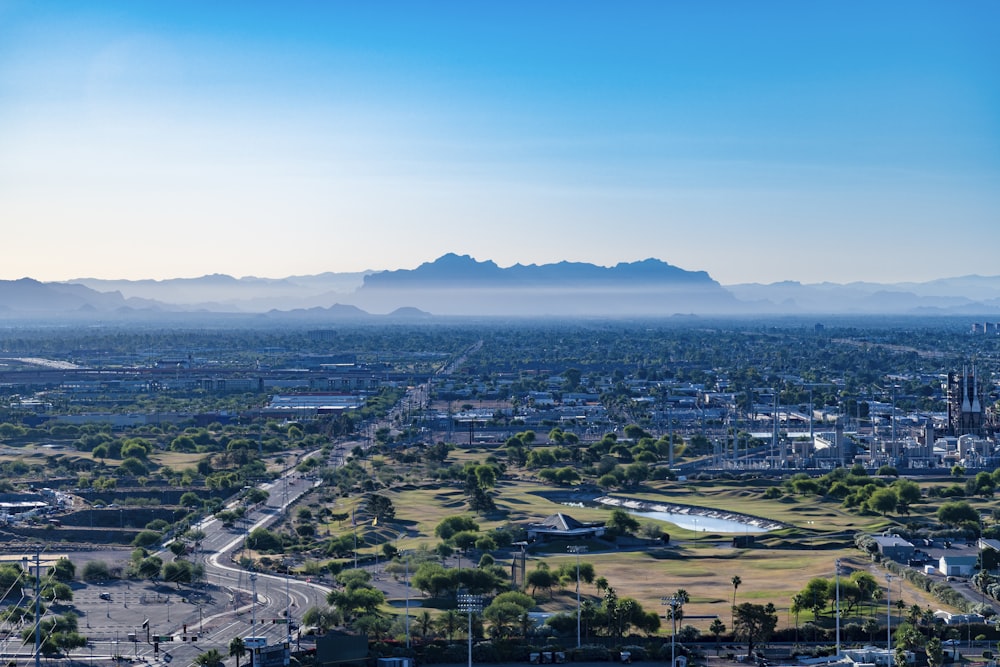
x: 880, y: 657
x: 965, y: 408
x: 894, y: 547
x: 563, y: 526
x: 309, y: 406
x: 958, y: 566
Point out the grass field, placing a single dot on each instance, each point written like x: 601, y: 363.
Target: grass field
x: 704, y: 564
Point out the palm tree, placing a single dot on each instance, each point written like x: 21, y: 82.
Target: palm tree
x: 237, y: 649
x: 525, y: 623
x: 449, y: 621
x: 870, y: 626
x: 736, y: 584
x: 717, y: 628
x: 798, y: 604
x: 425, y: 623
x: 210, y: 658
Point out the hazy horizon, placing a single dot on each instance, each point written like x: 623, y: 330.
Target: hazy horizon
x: 996, y: 273
x: 757, y: 142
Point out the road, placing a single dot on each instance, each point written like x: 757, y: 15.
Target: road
x: 191, y: 619
x: 123, y: 618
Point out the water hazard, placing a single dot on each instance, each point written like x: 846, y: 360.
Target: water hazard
x: 699, y: 523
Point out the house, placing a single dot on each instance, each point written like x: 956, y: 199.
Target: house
x: 562, y: 526
x: 894, y: 547
x: 958, y: 566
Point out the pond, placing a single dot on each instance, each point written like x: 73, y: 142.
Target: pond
x: 700, y: 523
x: 700, y: 519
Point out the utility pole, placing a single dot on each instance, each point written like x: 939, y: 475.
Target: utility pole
x: 577, y: 550
x: 888, y: 612
x: 288, y: 611
x: 838, y: 609
x: 38, y: 606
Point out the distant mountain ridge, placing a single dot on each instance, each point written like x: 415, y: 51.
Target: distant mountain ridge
x: 450, y: 267
x: 459, y: 285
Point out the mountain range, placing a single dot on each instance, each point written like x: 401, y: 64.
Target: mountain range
x: 458, y: 285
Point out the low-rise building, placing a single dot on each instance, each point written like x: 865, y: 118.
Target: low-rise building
x: 957, y: 566
x: 894, y: 547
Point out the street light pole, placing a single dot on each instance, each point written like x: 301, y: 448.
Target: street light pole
x: 253, y: 600
x: 407, y: 584
x: 577, y: 550
x: 470, y: 604
x: 838, y: 609
x: 673, y: 602
x: 888, y: 612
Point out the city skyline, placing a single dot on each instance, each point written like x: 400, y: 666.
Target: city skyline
x: 757, y: 142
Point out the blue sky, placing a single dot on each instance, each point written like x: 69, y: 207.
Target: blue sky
x: 758, y: 141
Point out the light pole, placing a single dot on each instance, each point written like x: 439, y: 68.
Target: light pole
x: 470, y: 604
x: 838, y: 608
x: 888, y: 612
x: 38, y: 602
x: 673, y: 602
x: 577, y: 550
x: 253, y: 601
x: 407, y: 584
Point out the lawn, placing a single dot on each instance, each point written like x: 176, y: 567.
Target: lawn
x: 703, y: 564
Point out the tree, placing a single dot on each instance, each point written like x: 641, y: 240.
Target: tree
x: 541, y: 577
x: 262, y: 539
x: 381, y: 507
x: 736, y: 581
x: 181, y: 572
x: 425, y: 624
x: 146, y: 538
x: 63, y: 570
x: 60, y: 633
x: 816, y: 594
x: 907, y: 494
x: 322, y: 619
x: 884, y: 501
x: 454, y: 524
x: 449, y: 622
x: 955, y: 512
x: 210, y: 658
x: 866, y: 585
x: 237, y: 649
x: 190, y: 499
x: 256, y: 495
x: 935, y: 653
x: 870, y: 627
x: 908, y: 637
x: 503, y: 617
x: 717, y: 628
x: 96, y: 570
x: 358, y: 601
x: 754, y: 623
x: 622, y: 523
x: 57, y: 591
x: 149, y: 568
